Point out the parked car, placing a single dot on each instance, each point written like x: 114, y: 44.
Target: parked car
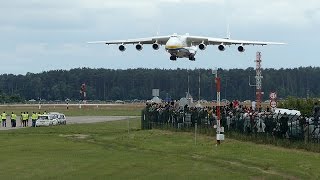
x: 61, y: 118
x: 46, y: 120
x: 43, y: 120
x: 119, y: 102
x: 53, y: 120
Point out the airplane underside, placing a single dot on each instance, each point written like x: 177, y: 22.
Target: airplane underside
x: 182, y: 53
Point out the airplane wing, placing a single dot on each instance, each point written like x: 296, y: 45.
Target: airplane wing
x: 217, y: 41
x: 150, y: 40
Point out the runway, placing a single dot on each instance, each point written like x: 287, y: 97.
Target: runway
x: 76, y: 120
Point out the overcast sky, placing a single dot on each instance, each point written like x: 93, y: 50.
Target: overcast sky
x: 41, y: 35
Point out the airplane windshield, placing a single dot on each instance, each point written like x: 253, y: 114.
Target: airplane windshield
x: 174, y: 35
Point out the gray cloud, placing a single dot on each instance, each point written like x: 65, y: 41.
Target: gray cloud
x: 53, y: 34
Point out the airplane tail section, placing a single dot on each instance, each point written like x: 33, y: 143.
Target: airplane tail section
x: 226, y: 14
x: 228, y: 31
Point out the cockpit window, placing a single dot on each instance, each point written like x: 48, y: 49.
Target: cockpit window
x: 174, y: 35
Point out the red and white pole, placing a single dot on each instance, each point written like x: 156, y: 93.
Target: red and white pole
x: 218, y: 80
x: 218, y: 113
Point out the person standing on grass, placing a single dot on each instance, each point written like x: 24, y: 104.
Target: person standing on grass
x: 21, y: 119
x: 13, y: 120
x: 4, y: 119
x: 34, y: 118
x: 24, y: 119
x: 27, y: 116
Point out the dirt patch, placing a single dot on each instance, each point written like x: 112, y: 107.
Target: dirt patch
x: 75, y: 136
x: 265, y: 171
x: 196, y: 156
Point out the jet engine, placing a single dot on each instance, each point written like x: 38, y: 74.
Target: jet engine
x: 202, y: 46
x: 221, y: 47
x: 122, y: 48
x: 241, y: 49
x: 155, y: 46
x: 139, y: 47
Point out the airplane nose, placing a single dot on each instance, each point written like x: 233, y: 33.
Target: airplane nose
x: 170, y: 45
x: 173, y: 44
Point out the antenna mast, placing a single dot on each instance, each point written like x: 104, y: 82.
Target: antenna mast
x: 258, y: 78
x: 228, y: 31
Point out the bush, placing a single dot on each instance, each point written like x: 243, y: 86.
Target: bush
x: 305, y: 106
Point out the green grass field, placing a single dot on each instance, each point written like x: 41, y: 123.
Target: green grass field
x: 107, y: 151
x: 86, y: 110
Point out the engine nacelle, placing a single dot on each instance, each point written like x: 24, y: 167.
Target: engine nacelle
x: 122, y: 48
x: 221, y: 47
x: 139, y: 47
x: 202, y: 46
x: 241, y: 49
x: 155, y: 46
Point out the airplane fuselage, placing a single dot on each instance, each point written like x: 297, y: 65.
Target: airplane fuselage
x: 178, y: 47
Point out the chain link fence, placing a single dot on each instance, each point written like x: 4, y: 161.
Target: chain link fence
x: 264, y: 127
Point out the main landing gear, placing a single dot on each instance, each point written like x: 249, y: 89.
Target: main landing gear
x: 173, y: 58
x: 191, y: 58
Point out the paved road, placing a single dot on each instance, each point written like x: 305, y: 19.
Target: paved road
x: 77, y: 120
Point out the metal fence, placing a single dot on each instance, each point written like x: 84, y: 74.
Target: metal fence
x: 265, y: 125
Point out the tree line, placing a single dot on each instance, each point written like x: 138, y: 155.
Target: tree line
x: 110, y: 84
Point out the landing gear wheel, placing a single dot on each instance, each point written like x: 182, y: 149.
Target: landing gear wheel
x: 191, y: 58
x: 173, y: 58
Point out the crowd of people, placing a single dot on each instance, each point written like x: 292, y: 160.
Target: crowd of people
x: 234, y: 116
x: 24, y: 118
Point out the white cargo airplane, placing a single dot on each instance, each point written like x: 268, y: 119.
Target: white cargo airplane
x: 185, y: 46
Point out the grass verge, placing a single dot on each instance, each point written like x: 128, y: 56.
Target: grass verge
x: 86, y: 110
x: 108, y: 151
